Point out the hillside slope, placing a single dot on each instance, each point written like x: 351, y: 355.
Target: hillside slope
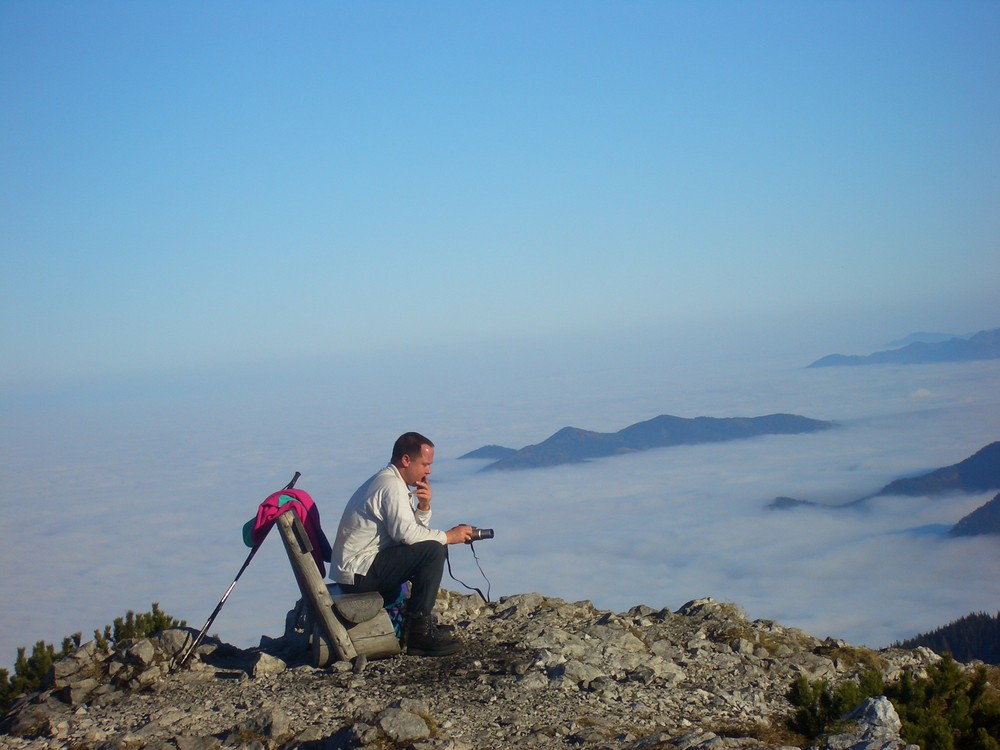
x: 983, y: 345
x: 983, y: 520
x: 573, y: 445
x: 978, y: 472
x: 536, y: 672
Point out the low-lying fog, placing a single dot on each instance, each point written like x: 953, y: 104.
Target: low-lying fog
x: 139, y: 494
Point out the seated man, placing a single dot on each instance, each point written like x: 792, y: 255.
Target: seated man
x: 384, y: 541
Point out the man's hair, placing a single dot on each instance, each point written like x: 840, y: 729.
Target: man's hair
x: 409, y: 444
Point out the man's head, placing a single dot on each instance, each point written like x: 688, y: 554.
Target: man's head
x: 412, y: 455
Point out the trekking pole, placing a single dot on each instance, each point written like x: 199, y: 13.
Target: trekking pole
x: 218, y: 607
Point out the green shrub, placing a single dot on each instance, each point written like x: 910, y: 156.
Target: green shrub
x: 29, y: 671
x: 819, y: 708
x: 947, y: 710
x: 136, y: 626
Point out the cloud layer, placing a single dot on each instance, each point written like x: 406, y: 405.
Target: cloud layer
x: 121, y: 499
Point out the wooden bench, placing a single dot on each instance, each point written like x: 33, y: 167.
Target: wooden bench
x: 339, y: 626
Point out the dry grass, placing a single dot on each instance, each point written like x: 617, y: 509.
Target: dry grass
x: 771, y: 734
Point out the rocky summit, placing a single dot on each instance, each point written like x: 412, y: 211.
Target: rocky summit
x: 535, y: 672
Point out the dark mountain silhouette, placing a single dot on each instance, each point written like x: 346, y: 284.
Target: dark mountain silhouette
x: 983, y: 520
x: 983, y: 345
x: 978, y: 472
x: 787, y: 503
x: 573, y: 445
x: 490, y: 451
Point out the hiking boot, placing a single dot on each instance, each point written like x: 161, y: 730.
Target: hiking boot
x: 423, y: 638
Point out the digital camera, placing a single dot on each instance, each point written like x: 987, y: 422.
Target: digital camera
x: 478, y: 534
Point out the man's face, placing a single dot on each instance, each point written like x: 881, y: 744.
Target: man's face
x: 417, y: 469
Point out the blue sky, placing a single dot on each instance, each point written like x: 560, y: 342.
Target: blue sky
x: 209, y: 184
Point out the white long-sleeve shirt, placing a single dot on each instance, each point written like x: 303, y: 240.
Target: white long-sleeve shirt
x: 379, y: 514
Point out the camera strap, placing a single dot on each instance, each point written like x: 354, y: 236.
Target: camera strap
x: 486, y: 596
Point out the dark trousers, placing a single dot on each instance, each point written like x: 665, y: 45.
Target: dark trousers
x: 421, y: 564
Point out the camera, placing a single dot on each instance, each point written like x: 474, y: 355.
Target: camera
x: 478, y: 534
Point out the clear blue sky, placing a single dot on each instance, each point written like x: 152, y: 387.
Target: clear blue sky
x: 193, y: 183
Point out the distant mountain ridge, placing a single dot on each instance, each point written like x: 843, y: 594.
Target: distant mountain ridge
x: 983, y: 345
x: 490, y: 451
x: 928, y: 337
x: 573, y: 445
x: 984, y: 520
x: 978, y: 472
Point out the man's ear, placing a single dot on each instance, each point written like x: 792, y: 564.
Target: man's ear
x: 404, y: 460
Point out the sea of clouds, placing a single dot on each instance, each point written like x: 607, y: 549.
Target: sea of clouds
x: 120, y: 494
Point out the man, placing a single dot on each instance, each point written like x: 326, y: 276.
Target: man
x: 384, y: 541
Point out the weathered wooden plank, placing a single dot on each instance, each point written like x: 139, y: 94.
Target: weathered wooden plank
x: 320, y: 648
x: 313, y: 589
x: 375, y: 638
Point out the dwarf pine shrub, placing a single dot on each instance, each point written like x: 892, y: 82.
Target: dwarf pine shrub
x: 949, y: 709
x: 819, y: 708
x: 29, y: 671
x: 132, y: 625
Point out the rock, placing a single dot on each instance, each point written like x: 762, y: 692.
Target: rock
x: 815, y: 667
x: 402, y: 726
x: 575, y: 674
x: 77, y: 692
x: 141, y: 653
x: 878, y: 729
x: 267, y: 665
x: 267, y: 725
x: 80, y: 664
x: 535, y: 672
x: 174, y: 641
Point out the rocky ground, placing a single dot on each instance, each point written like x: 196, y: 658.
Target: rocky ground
x: 535, y: 672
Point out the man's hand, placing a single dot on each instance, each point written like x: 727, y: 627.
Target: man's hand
x: 459, y: 534
x: 423, y: 494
